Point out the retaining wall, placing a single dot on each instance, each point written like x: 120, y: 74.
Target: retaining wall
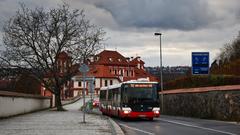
x: 222, y: 102
x: 12, y: 103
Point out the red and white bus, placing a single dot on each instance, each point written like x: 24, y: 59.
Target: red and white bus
x: 131, y: 99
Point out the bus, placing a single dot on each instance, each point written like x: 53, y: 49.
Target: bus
x: 131, y: 99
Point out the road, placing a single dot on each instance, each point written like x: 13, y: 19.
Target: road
x: 169, y: 125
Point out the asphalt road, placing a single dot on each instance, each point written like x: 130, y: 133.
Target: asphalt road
x: 169, y: 125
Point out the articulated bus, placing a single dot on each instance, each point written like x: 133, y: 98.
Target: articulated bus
x: 131, y: 99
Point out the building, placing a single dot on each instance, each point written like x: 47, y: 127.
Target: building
x: 110, y: 67
x: 107, y: 68
x: 63, y: 65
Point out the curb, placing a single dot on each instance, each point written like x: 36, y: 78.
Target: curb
x: 115, y: 127
x: 72, y: 101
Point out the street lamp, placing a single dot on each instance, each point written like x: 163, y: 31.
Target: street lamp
x: 160, y: 35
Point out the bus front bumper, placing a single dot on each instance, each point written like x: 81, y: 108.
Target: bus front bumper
x: 139, y: 114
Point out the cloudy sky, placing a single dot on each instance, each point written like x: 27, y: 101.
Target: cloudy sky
x: 187, y: 25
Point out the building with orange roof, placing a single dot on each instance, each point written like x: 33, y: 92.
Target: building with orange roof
x: 110, y: 67
x: 107, y: 68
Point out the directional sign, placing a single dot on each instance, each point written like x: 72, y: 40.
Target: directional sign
x: 84, y: 68
x: 200, y: 63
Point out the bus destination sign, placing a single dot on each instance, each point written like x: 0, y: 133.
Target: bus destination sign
x: 141, y: 85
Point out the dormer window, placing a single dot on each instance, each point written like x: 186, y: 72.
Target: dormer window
x: 97, y: 58
x: 110, y: 59
x: 119, y: 60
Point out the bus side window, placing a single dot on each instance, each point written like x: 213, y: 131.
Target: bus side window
x: 116, y: 93
x: 114, y: 97
x: 124, y: 94
x: 119, y: 96
x: 109, y: 95
x: 103, y: 95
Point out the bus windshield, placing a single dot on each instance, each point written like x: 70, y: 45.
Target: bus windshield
x: 135, y: 93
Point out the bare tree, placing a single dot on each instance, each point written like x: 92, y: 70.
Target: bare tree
x: 33, y: 39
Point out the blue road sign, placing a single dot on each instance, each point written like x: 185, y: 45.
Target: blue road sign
x: 200, y: 63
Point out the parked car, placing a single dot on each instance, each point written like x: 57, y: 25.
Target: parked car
x: 95, y: 103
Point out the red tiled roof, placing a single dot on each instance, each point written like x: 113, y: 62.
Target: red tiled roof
x: 99, y: 71
x: 135, y: 61
x: 108, y: 57
x: 140, y: 73
x: 16, y: 94
x: 4, y: 84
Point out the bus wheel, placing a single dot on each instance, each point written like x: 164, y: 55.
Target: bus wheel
x: 118, y: 114
x: 150, y: 119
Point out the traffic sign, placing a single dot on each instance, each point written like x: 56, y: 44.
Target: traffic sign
x: 84, y: 68
x: 200, y: 63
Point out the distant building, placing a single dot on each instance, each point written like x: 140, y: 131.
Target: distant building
x: 107, y: 67
x: 63, y: 65
x: 170, y: 73
x: 110, y: 67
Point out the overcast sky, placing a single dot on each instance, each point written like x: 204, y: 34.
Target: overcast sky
x: 187, y: 25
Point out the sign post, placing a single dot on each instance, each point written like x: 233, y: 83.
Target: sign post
x: 84, y: 69
x: 91, y: 88
x: 200, y: 63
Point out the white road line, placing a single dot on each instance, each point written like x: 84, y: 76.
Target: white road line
x: 188, y: 125
x: 136, y: 129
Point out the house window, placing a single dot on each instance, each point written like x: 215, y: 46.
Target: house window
x: 79, y: 84
x: 121, y: 72
x: 127, y: 72
x: 111, y: 82
x: 105, y: 83
x: 115, y: 71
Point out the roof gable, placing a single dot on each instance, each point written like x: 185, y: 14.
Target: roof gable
x: 108, y: 57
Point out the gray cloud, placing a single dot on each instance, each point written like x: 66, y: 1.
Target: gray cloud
x: 187, y: 25
x: 165, y: 14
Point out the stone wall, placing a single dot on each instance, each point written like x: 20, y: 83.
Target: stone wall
x: 210, y: 102
x: 12, y: 103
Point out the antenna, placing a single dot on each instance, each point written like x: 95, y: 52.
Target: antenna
x: 115, y: 47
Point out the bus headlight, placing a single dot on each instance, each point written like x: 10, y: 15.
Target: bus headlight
x: 126, y: 110
x: 156, y: 110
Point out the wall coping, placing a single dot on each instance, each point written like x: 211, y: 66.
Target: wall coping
x: 203, y: 89
x: 16, y: 94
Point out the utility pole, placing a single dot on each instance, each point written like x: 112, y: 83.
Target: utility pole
x: 161, y: 68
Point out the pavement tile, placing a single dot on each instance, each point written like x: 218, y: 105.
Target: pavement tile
x: 56, y: 123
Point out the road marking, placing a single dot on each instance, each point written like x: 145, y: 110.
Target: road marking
x: 136, y: 129
x: 188, y: 125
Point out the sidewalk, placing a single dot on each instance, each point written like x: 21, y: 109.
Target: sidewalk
x: 57, y: 123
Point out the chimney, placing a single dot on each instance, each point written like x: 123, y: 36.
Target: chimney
x: 138, y: 58
x: 128, y: 59
x: 131, y: 58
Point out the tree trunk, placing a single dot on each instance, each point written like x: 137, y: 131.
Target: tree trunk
x: 58, y: 102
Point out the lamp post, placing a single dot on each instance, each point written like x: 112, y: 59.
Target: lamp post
x: 160, y: 35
